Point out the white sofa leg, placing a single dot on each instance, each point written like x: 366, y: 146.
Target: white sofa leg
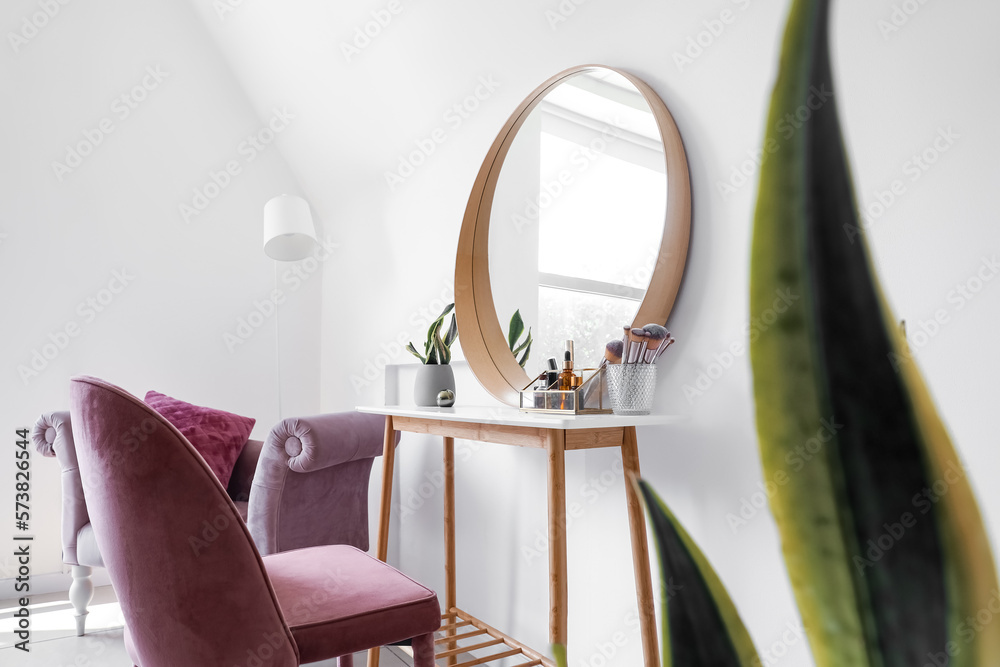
x: 81, y: 592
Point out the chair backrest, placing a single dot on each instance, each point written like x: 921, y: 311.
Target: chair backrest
x: 192, y: 587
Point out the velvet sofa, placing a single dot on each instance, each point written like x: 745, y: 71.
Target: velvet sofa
x: 305, y: 485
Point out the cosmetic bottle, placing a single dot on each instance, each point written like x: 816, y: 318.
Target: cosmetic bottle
x: 552, y: 374
x: 567, y: 375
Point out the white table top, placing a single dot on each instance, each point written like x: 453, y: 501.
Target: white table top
x: 508, y: 416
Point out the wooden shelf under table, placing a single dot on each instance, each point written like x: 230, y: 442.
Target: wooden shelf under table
x: 459, y: 626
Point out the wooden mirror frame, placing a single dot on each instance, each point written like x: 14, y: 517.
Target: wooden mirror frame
x: 483, y: 340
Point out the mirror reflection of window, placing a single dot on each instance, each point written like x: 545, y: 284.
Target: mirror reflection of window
x: 607, y: 223
x: 578, y: 216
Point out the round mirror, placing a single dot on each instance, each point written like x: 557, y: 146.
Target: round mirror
x: 578, y: 223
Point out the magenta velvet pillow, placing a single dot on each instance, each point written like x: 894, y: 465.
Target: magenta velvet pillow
x: 217, y: 435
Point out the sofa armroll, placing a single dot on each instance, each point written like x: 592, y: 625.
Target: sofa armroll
x: 311, y: 484
x: 53, y: 436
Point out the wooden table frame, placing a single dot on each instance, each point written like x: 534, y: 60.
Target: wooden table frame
x: 458, y: 624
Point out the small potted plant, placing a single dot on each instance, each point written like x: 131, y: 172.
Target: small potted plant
x: 436, y: 374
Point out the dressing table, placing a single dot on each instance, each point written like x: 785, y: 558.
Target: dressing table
x: 590, y: 229
x: 556, y: 435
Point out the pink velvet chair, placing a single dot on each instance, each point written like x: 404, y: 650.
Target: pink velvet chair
x: 305, y: 485
x: 193, y: 588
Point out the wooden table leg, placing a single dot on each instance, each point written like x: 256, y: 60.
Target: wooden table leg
x: 451, y: 593
x: 385, y: 507
x: 640, y: 551
x: 558, y: 589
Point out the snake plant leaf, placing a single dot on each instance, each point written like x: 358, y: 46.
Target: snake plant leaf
x: 447, y: 309
x: 515, y: 330
x: 412, y: 350
x: 432, y: 334
x: 452, y: 332
x: 701, y: 627
x: 527, y: 341
x: 526, y: 346
x: 880, y: 531
x: 559, y: 653
x: 444, y: 352
x: 432, y: 357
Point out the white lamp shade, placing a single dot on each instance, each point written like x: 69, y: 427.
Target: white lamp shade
x: 289, y: 233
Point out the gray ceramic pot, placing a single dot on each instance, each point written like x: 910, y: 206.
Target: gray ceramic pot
x: 431, y: 379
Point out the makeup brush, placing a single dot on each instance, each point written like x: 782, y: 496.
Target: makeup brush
x: 641, y: 357
x: 613, y: 352
x: 635, y: 339
x: 657, y: 335
x: 663, y: 346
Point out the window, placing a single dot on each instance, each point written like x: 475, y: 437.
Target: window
x: 599, y: 235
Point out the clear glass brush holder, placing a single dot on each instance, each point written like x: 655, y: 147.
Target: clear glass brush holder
x: 631, y: 388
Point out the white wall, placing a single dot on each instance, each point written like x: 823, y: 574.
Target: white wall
x: 357, y: 119
x: 188, y: 283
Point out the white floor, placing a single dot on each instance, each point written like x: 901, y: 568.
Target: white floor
x: 54, y: 642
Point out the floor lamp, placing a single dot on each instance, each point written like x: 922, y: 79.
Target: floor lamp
x: 289, y: 235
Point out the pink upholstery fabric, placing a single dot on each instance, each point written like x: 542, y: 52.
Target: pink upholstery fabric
x: 53, y: 436
x: 191, y: 586
x: 218, y: 436
x: 323, y: 461
x: 339, y: 600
